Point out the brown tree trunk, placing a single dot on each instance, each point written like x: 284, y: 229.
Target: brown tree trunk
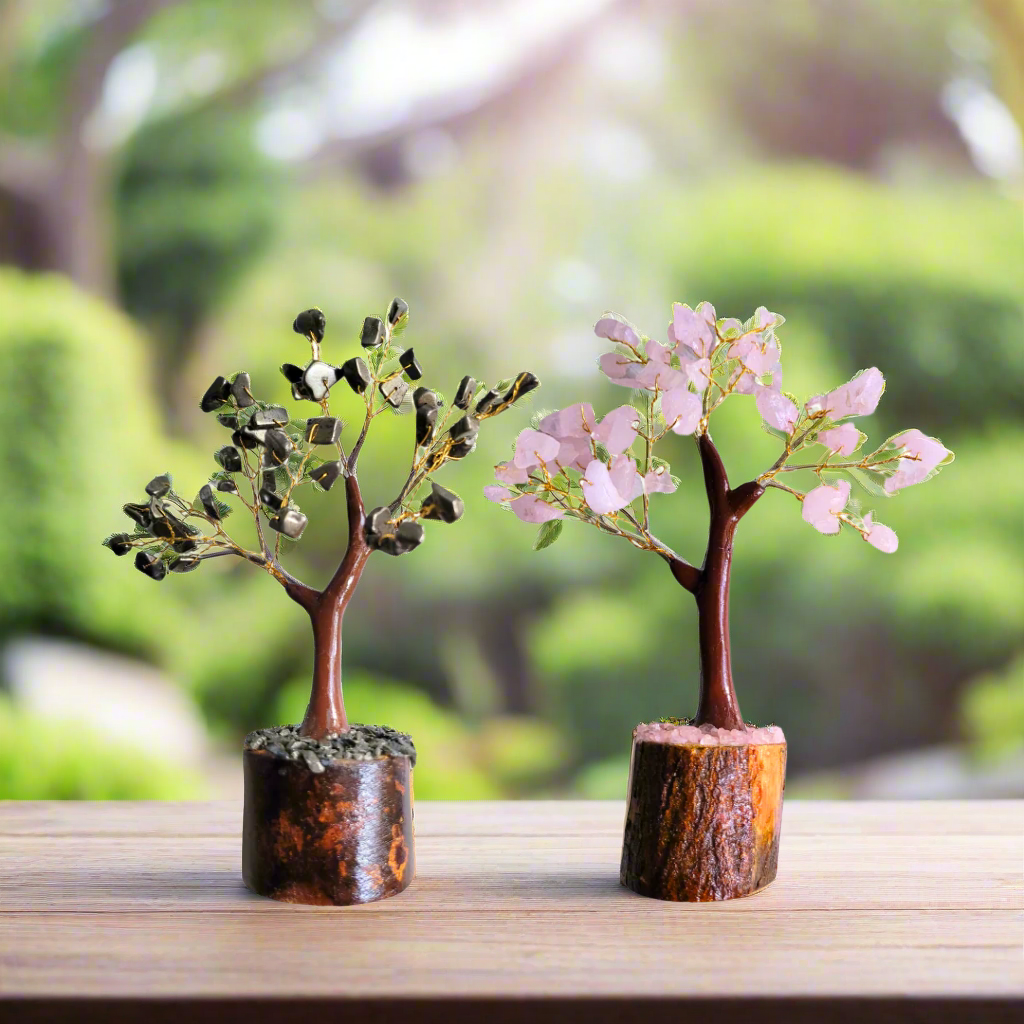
x: 325, y: 714
x: 717, y: 705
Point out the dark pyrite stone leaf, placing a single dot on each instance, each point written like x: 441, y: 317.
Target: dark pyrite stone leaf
x: 462, y: 449
x: 159, y: 486
x: 119, y: 543
x: 310, y: 322
x: 426, y: 419
x: 151, y: 565
x: 410, y: 364
x: 356, y: 373
x: 227, y: 486
x: 465, y: 429
x: 139, y: 513
x: 241, y: 391
x: 188, y: 544
x: 372, y: 333
x: 216, y: 395
x: 270, y: 498
x: 209, y: 502
x: 278, y: 447
x: 376, y: 522
x: 318, y: 379
x: 323, y: 430
x: 292, y: 373
x: 289, y: 522
x: 524, y: 383
x: 394, y: 391
x: 488, y: 402
x: 326, y: 473
x: 442, y: 505
x: 184, y: 564
x: 228, y: 419
x: 425, y: 398
x: 245, y: 439
x: 397, y: 310
x: 464, y: 395
x: 263, y: 419
x: 230, y: 458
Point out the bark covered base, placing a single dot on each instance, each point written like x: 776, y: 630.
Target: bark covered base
x: 339, y: 836
x: 703, y: 822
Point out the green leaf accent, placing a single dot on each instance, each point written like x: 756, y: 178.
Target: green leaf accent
x: 871, y: 480
x: 548, y: 533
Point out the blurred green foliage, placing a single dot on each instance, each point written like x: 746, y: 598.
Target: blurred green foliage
x: 174, y: 271
x: 48, y: 759
x: 522, y: 673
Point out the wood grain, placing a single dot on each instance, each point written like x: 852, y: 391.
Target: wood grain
x: 912, y: 906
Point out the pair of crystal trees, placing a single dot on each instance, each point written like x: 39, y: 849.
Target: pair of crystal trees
x: 569, y: 464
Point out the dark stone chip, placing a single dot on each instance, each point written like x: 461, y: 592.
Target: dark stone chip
x: 310, y: 322
x: 158, y: 486
x: 410, y: 364
x: 465, y: 429
x: 227, y: 486
x: 372, y: 333
x: 119, y: 543
x: 376, y: 522
x: 356, y: 373
x: 230, y: 458
x: 269, y: 479
x: 241, y: 391
x: 245, y: 439
x: 326, y: 473
x: 397, y: 310
x: 323, y: 430
x: 426, y: 420
x: 228, y: 419
x: 140, y: 513
x: 443, y: 505
x: 151, y: 565
x: 184, y: 564
x: 264, y: 419
x: 184, y: 545
x: 462, y: 449
x: 292, y: 373
x: 524, y: 383
x: 216, y: 395
x: 394, y: 391
x: 424, y: 397
x: 488, y: 402
x: 209, y: 502
x: 278, y: 447
x: 301, y: 393
x: 289, y: 522
x: 270, y: 498
x: 464, y: 395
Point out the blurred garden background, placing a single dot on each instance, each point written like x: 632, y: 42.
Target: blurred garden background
x: 178, y: 179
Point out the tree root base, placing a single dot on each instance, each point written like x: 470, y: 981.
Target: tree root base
x: 703, y: 822
x: 337, y: 837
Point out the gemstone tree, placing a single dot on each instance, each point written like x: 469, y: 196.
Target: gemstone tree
x: 572, y: 465
x: 271, y: 456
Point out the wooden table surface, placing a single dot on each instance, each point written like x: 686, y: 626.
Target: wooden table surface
x: 881, y: 911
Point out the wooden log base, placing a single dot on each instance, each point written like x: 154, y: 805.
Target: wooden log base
x: 339, y: 837
x: 702, y: 822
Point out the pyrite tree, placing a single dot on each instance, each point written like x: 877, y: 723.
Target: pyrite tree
x: 571, y: 465
x: 272, y: 456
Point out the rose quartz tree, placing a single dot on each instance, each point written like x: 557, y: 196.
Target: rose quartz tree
x: 604, y: 471
x: 704, y: 808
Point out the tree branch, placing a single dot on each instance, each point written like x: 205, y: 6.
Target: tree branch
x: 716, y: 482
x: 687, y: 576
x: 357, y: 551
